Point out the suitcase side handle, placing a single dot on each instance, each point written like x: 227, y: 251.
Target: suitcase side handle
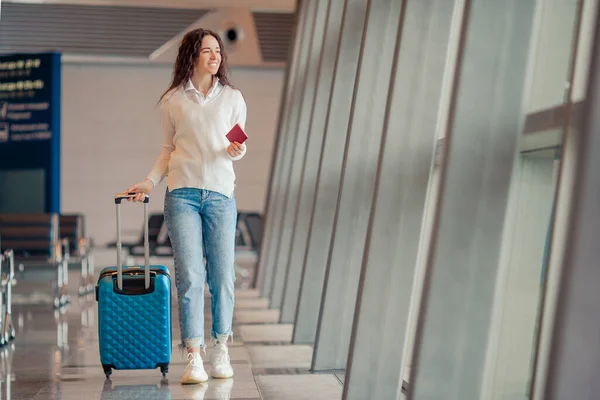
x: 118, y: 198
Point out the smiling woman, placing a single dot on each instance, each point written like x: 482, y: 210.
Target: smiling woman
x: 199, y: 108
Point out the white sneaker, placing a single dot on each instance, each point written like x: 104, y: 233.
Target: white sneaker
x: 221, y: 365
x: 194, y: 371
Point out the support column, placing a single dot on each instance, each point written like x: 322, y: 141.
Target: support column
x: 573, y: 355
x: 277, y: 158
x: 310, y: 164
x: 285, y: 147
x: 407, y: 152
x: 581, y: 83
x: 301, y: 133
x: 337, y: 115
x: 485, y: 123
x: 358, y: 177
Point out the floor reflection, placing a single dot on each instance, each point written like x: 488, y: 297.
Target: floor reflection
x: 6, y: 373
x: 146, y: 392
x: 55, y: 356
x: 214, y: 389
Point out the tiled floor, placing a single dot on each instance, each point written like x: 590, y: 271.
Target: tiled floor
x: 245, y: 316
x: 271, y: 333
x: 300, y: 387
x: 55, y: 356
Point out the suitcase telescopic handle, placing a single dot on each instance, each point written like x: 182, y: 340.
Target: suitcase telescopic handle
x: 122, y: 196
x: 118, y: 198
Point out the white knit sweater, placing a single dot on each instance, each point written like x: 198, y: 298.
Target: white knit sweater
x: 194, y: 152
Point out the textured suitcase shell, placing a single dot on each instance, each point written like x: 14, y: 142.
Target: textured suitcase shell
x: 134, y: 329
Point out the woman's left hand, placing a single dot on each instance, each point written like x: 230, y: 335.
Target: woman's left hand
x: 234, y: 149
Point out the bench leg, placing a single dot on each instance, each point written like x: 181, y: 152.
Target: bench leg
x: 90, y: 274
x: 65, y: 281
x: 58, y: 286
x: 8, y: 331
x: 81, y: 290
x: 9, y: 328
x: 3, y: 335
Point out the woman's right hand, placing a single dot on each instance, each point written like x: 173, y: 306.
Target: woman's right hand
x: 141, y: 188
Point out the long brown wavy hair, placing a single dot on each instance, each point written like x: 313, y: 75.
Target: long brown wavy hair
x: 188, y: 54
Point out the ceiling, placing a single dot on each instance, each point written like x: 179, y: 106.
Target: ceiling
x: 148, y: 30
x: 284, y: 6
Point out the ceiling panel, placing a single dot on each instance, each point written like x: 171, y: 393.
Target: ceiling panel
x: 274, y: 32
x: 106, y: 30
x: 117, y: 30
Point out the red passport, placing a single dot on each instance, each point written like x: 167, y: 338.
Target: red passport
x: 237, y: 134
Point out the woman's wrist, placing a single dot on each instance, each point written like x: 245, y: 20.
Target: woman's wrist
x: 151, y: 182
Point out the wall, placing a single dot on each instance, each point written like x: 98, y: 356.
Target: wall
x: 111, y: 138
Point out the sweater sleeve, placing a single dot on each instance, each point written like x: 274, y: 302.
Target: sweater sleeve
x: 161, y: 167
x: 240, y: 118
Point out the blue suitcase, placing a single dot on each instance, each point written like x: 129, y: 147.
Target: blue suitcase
x: 134, y: 311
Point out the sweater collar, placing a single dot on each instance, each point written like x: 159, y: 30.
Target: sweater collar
x: 211, y: 92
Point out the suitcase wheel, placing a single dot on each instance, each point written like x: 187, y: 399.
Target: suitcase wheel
x: 164, y: 368
x: 107, y: 370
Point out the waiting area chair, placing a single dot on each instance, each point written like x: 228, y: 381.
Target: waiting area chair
x: 79, y: 250
x: 41, y: 247
x: 155, y: 223
x: 248, y: 237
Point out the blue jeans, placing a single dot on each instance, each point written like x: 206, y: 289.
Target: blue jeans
x: 198, y: 219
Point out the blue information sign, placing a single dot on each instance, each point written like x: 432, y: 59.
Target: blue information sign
x: 30, y: 132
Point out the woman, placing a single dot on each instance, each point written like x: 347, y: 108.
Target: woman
x: 199, y: 109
